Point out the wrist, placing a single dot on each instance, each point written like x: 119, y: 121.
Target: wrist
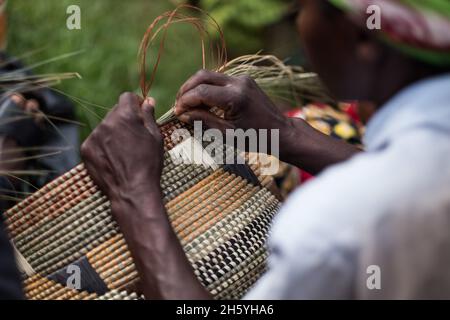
x: 132, y: 194
x: 311, y: 150
x: 290, y: 139
x: 137, y: 211
x: 136, y: 185
x: 135, y: 203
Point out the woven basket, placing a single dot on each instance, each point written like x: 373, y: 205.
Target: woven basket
x: 221, y: 215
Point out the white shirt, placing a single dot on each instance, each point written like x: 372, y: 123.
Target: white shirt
x: 378, y: 225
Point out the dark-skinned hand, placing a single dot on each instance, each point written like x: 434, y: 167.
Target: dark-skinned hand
x: 124, y: 157
x: 124, y: 154
x: 246, y: 106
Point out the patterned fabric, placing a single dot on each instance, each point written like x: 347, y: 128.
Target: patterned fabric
x: 336, y: 123
x: 420, y: 28
x: 341, y: 123
x: 221, y: 215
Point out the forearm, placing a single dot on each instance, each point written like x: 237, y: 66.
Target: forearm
x: 163, y: 268
x: 303, y: 146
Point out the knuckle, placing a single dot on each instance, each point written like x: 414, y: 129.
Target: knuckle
x: 202, y: 73
x: 110, y: 120
x: 85, y: 149
x: 202, y: 90
x: 126, y: 96
x: 126, y: 113
x: 240, y: 96
x: 127, y: 100
x: 246, y: 81
x: 240, y: 90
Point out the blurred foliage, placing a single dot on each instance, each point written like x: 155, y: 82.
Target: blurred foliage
x: 111, y: 31
x: 243, y: 21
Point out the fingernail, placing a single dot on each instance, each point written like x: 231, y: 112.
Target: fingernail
x: 148, y: 105
x: 150, y: 101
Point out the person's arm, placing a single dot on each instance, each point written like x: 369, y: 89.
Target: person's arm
x: 310, y: 149
x: 124, y: 156
x: 246, y: 106
x: 163, y: 268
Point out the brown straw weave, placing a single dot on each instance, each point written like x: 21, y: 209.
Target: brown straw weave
x: 221, y: 215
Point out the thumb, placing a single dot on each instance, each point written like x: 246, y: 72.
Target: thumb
x: 148, y: 112
x: 207, y: 117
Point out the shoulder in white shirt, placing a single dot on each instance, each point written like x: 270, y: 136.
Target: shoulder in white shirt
x: 388, y: 207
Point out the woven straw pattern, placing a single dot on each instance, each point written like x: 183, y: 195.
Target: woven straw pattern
x: 221, y: 218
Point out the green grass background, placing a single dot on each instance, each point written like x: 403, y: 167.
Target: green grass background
x: 111, y: 31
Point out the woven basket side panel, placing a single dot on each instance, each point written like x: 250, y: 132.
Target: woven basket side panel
x: 221, y: 215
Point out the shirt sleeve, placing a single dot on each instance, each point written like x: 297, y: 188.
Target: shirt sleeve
x: 321, y: 275
x: 307, y: 259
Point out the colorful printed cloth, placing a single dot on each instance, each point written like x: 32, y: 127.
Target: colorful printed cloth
x: 420, y: 28
x: 341, y: 123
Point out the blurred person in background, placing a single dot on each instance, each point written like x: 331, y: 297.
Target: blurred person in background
x: 26, y: 132
x: 387, y: 208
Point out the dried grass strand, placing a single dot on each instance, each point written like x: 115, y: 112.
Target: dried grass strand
x: 168, y: 19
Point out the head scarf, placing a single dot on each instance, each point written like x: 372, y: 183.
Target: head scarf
x: 419, y: 28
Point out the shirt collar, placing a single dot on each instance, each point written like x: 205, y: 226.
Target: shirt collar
x: 426, y: 102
